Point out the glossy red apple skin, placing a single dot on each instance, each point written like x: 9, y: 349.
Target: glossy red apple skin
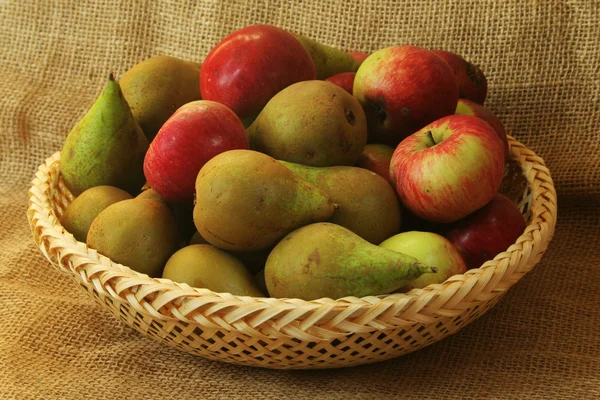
x: 448, y: 169
x: 194, y: 134
x: 345, y: 80
x: 492, y: 229
x: 251, y: 65
x: 359, y: 56
x: 376, y: 158
x: 468, y: 107
x: 472, y: 83
x: 402, y: 89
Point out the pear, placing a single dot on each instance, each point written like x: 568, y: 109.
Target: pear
x: 247, y: 201
x: 205, y: 266
x: 328, y: 60
x: 139, y: 233
x: 181, y: 211
x: 327, y: 260
x: 156, y: 87
x: 313, y: 123
x: 79, y: 215
x: 106, y: 147
x: 368, y: 205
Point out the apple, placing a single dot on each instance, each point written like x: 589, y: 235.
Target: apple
x: 194, y: 134
x: 468, y: 107
x: 345, y: 80
x: 472, y: 83
x: 359, y: 56
x: 488, y: 231
x: 376, y: 158
x: 431, y: 249
x: 448, y: 169
x: 251, y: 65
x: 402, y: 89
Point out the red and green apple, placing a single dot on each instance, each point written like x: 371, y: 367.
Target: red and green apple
x: 449, y: 168
x: 402, y: 89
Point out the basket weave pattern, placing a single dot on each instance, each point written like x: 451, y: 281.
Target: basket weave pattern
x: 293, y: 333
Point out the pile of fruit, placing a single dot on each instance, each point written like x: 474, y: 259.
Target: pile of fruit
x: 287, y: 168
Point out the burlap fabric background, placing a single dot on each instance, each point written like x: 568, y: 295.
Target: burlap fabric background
x: 542, y: 60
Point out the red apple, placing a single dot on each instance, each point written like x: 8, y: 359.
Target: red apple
x: 194, y: 134
x: 359, y: 56
x: 251, y: 65
x: 402, y: 89
x: 468, y: 107
x: 472, y: 83
x: 431, y: 249
x: 345, y: 80
x: 376, y: 158
x: 480, y: 236
x: 448, y: 169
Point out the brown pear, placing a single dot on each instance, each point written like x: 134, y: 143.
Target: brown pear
x: 205, y: 266
x: 313, y: 123
x: 139, y: 233
x: 368, y: 205
x: 156, y: 87
x: 247, y: 201
x: 79, y: 215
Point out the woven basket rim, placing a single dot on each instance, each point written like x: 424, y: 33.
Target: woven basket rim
x: 166, y: 300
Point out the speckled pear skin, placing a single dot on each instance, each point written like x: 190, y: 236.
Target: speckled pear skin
x: 325, y: 260
x: 78, y: 217
x: 247, y: 201
x: 314, y: 123
x: 106, y: 147
x: 156, y: 87
x: 368, y: 205
x: 139, y: 233
x: 205, y: 266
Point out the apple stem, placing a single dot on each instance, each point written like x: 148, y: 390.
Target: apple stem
x: 429, y: 135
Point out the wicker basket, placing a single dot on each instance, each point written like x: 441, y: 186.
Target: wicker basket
x: 293, y: 333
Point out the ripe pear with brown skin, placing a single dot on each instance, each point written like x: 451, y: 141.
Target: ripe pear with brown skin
x: 79, y: 215
x: 247, y: 201
x: 368, y: 205
x: 205, y: 266
x: 313, y: 123
x: 328, y: 60
x: 156, y: 87
x: 106, y: 147
x: 139, y: 233
x: 183, y: 213
x: 327, y: 260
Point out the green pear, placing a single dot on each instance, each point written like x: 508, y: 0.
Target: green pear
x: 327, y: 260
x: 312, y: 123
x: 156, y: 87
x: 205, y: 266
x: 139, y: 233
x: 328, y: 60
x: 106, y: 147
x: 80, y: 214
x: 247, y: 201
x: 368, y: 205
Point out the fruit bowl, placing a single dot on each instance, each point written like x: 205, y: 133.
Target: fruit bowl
x: 292, y: 333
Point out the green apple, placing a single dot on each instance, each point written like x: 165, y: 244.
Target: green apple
x: 431, y: 249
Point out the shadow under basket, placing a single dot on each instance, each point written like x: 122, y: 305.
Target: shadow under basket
x: 293, y: 333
